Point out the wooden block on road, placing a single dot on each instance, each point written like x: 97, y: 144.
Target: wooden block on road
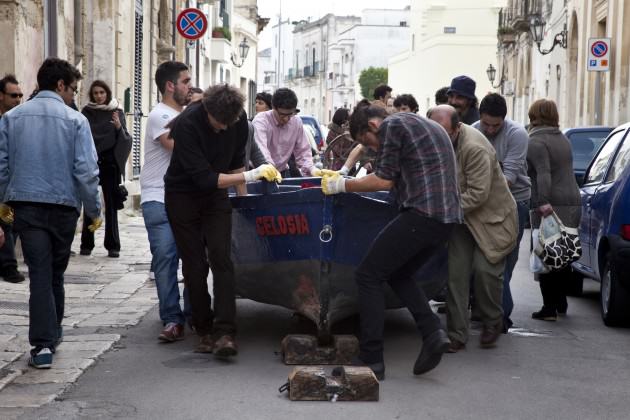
x: 346, y: 383
x: 302, y: 349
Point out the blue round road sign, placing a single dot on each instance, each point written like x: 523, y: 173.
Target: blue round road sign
x: 599, y: 49
x: 192, y: 23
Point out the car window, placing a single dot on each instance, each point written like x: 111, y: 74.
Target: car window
x: 621, y: 161
x: 600, y: 163
x: 584, y: 145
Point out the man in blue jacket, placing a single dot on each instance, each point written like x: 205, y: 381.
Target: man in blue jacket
x: 48, y: 170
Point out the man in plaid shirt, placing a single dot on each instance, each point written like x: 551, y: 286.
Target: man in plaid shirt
x: 415, y: 160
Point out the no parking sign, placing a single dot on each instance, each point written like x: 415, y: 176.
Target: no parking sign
x: 598, y: 54
x: 192, y: 23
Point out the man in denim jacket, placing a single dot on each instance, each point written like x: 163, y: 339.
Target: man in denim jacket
x: 48, y: 170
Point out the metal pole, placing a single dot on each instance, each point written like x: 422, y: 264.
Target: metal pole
x: 279, y: 47
x: 598, y: 113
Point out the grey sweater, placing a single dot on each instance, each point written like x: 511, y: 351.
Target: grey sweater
x: 511, y: 144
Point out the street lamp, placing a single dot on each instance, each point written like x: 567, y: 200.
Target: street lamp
x: 243, y: 49
x: 491, y: 71
x: 537, y: 27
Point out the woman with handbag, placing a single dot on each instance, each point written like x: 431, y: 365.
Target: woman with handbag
x: 554, y: 189
x: 113, y: 144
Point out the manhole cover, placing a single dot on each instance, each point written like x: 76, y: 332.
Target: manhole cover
x: 14, y: 306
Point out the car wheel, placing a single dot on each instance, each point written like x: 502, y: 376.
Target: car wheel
x: 574, y: 283
x: 614, y: 298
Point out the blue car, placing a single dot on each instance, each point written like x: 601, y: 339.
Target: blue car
x: 585, y: 142
x: 312, y: 121
x: 605, y: 225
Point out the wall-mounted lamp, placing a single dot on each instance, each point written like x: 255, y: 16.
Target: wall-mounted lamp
x: 243, y: 49
x: 537, y: 28
x: 491, y: 71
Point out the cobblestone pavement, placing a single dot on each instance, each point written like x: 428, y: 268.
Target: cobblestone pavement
x: 104, y: 297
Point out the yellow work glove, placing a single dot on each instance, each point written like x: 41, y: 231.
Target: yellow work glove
x: 321, y: 172
x: 264, y: 171
x: 6, y: 214
x: 96, y: 223
x: 333, y: 184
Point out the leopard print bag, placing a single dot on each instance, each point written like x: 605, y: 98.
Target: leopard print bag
x: 559, y: 245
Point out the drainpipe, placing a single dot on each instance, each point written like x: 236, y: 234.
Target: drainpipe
x: 78, y: 31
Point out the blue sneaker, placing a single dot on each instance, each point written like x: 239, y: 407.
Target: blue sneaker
x: 41, y: 358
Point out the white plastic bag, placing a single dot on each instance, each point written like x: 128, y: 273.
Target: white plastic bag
x: 536, y: 265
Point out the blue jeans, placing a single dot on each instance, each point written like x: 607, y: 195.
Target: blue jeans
x: 164, y: 263
x: 47, y: 231
x: 510, y: 263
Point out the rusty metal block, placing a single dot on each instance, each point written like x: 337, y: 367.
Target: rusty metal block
x: 302, y: 349
x: 346, y: 383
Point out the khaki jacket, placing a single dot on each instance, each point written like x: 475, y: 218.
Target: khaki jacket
x: 489, y: 208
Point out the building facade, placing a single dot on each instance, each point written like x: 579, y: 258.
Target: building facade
x: 558, y: 69
x: 447, y: 38
x: 122, y: 43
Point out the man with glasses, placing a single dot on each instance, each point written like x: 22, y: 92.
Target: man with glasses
x: 280, y: 134
x: 10, y: 93
x: 46, y: 183
x: 10, y: 97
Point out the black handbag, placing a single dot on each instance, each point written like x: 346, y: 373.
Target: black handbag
x: 120, y: 196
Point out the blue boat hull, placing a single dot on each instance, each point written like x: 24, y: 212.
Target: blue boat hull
x: 299, y: 249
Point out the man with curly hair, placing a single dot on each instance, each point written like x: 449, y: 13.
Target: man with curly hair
x: 208, y: 158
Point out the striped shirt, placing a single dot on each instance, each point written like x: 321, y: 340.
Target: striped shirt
x: 417, y: 155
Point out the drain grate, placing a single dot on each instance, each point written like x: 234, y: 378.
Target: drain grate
x: 14, y: 306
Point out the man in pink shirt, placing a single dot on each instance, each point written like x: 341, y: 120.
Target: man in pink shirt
x: 280, y: 134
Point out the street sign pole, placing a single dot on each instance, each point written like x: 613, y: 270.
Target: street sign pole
x: 598, y: 62
x: 598, y: 98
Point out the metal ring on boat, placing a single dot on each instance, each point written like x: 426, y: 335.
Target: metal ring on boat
x: 327, y: 230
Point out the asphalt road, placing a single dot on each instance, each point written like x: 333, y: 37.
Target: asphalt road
x: 575, y: 368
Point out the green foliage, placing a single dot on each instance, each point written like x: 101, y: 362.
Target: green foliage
x: 225, y: 32
x: 370, y: 78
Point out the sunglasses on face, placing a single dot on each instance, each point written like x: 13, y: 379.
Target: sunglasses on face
x: 15, y: 95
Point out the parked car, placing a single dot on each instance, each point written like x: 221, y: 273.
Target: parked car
x: 605, y: 225
x: 585, y: 142
x: 312, y: 121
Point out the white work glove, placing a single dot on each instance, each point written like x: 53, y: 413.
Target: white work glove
x: 264, y: 171
x: 344, y: 170
x: 333, y: 184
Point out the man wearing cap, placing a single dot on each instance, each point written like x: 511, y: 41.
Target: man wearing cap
x: 280, y: 133
x: 461, y: 96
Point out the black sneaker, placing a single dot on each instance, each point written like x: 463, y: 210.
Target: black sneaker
x: 113, y: 253
x: 85, y: 251
x: 545, y: 314
x: 12, y: 275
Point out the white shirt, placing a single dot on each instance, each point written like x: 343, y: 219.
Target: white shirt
x: 156, y: 157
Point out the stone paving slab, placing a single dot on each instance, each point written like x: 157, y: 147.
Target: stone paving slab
x: 102, y: 294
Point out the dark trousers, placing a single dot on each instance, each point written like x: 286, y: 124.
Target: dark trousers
x: 7, y: 251
x: 202, y: 225
x: 109, y: 180
x: 553, y: 289
x: 399, y: 250
x: 46, y: 231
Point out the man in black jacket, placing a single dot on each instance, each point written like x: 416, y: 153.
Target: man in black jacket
x: 208, y: 157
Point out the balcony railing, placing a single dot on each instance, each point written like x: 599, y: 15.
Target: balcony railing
x: 298, y: 73
x: 518, y: 16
